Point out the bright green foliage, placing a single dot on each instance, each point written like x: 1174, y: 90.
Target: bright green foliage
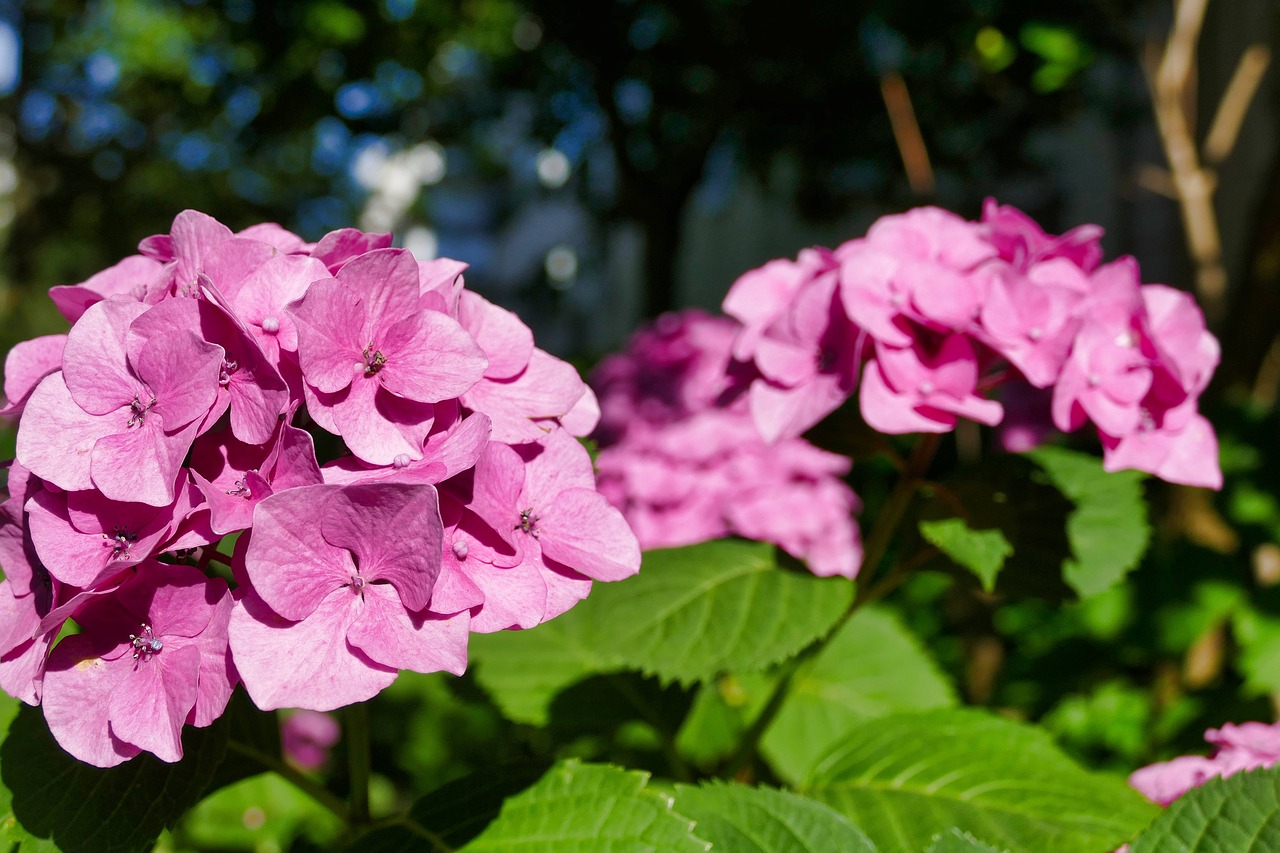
x: 956, y: 841
x: 50, y: 796
x: 762, y: 820
x: 689, y: 615
x: 1240, y: 813
x: 524, y: 670
x: 721, y: 606
x: 981, y: 551
x: 904, y: 779
x: 873, y: 667
x: 589, y: 808
x: 1108, y: 528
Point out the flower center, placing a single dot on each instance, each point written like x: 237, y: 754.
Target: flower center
x: 241, y: 490
x: 372, y: 359
x: 145, y: 644
x: 356, y: 584
x: 229, y: 367
x: 119, y: 541
x: 460, y: 548
x: 528, y: 522
x: 138, y: 411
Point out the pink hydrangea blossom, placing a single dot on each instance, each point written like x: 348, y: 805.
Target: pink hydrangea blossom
x: 307, y: 737
x: 373, y: 362
x: 357, y: 603
x: 150, y: 658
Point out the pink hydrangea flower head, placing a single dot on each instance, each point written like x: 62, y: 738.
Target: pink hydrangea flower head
x: 376, y: 362
x: 151, y: 658
x: 356, y: 601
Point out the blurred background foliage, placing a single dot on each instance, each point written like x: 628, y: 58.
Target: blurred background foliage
x: 599, y: 163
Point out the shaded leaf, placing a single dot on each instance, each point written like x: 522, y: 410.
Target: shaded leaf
x: 1108, y: 528
x: 78, y: 807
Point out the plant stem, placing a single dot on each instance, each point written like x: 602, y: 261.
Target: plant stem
x: 877, y: 545
x: 358, y: 761
x: 293, y: 776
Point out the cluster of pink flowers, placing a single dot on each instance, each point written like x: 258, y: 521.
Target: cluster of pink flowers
x: 929, y: 314
x: 682, y: 459
x: 175, y: 413
x: 1247, y: 746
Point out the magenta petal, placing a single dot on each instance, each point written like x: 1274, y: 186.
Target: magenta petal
x: 194, y: 234
x: 77, y: 687
x: 96, y: 357
x: 406, y: 548
x: 56, y: 437
x: 787, y: 412
x: 499, y: 480
x: 584, y: 417
x: 889, y: 412
x: 332, y: 332
x: 563, y: 464
x: 429, y: 358
x: 422, y: 642
x: 292, y: 568
x: 149, y: 706
x: 338, y: 247
x: 332, y: 673
x: 581, y: 530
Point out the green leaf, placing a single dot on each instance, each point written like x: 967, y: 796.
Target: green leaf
x: 957, y: 841
x: 983, y: 552
x: 78, y: 807
x: 690, y: 614
x: 722, y: 606
x: 1108, y: 528
x: 904, y: 779
x: 589, y: 807
x: 524, y: 670
x: 1240, y: 813
x: 873, y: 667
x: 762, y: 820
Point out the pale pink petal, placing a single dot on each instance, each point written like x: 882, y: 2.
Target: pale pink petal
x: 329, y: 674
x: 134, y: 277
x: 292, y: 568
x: 56, y: 437
x: 332, y: 333
x: 75, y: 684
x: 581, y: 530
x: 429, y: 358
x: 422, y: 642
x: 405, y: 546
x: 96, y: 357
x: 149, y: 705
x: 549, y: 388
x: 506, y: 341
x: 26, y: 364
x: 386, y: 281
